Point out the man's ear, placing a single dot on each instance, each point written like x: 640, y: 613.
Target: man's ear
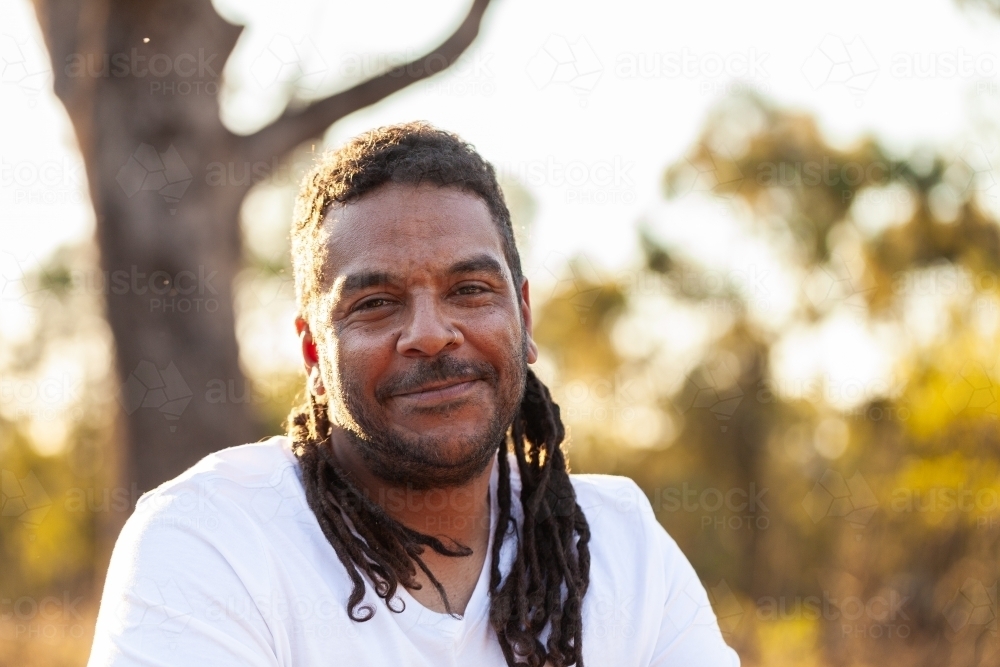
x: 526, y: 316
x: 310, y: 356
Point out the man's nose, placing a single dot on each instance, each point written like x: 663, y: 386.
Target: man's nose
x: 427, y: 330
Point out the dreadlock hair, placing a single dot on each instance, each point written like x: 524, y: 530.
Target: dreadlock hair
x: 551, y: 567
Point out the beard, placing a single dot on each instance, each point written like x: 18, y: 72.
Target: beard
x: 423, y: 462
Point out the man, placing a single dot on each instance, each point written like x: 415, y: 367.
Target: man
x: 386, y: 529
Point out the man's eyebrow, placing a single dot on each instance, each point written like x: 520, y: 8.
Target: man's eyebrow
x: 479, y: 264
x: 362, y: 280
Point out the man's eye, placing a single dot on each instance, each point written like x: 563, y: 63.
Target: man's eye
x: 371, y: 303
x: 470, y: 289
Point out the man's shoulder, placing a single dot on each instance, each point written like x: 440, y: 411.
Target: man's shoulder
x: 610, y: 496
x: 240, y: 474
x: 618, y: 511
x: 642, y: 586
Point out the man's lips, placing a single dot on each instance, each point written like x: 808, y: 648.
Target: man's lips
x: 435, y: 391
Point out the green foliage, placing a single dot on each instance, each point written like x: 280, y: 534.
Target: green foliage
x: 893, y: 500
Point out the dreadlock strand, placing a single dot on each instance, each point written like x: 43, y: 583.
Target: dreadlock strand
x: 549, y: 574
x: 329, y: 526
x: 504, y: 518
x: 550, y: 568
x: 394, y: 556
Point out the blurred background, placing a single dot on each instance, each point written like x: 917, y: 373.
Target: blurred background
x: 762, y: 241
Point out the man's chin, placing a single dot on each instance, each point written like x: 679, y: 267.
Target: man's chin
x: 426, y: 461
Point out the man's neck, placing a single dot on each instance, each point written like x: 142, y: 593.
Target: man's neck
x: 458, y: 515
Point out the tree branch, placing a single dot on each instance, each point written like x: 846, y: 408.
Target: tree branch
x: 295, y: 127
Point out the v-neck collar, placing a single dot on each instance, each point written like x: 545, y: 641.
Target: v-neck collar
x: 479, y: 603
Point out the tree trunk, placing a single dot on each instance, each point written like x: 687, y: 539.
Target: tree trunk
x: 139, y: 81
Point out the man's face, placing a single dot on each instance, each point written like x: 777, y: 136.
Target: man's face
x: 422, y: 343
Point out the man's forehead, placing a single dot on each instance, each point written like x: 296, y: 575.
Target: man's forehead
x: 402, y: 229
x: 417, y: 210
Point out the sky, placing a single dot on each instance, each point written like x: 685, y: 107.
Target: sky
x: 584, y: 103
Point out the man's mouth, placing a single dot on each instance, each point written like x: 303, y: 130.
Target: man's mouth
x: 439, y: 391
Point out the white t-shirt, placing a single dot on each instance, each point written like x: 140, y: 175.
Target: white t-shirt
x: 226, y: 566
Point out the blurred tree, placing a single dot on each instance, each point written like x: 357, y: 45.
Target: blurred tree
x: 133, y: 140
x: 872, y: 235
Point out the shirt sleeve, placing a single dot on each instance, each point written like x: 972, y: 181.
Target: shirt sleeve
x: 689, y: 632
x: 183, y: 588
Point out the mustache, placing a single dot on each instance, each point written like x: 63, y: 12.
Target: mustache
x: 440, y: 369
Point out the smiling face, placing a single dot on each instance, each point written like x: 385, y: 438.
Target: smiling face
x: 422, y: 342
